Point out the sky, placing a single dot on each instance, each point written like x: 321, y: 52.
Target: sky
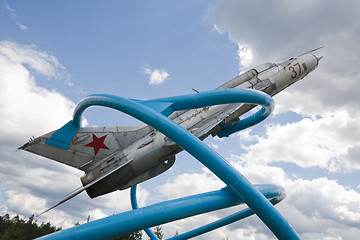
x: 54, y: 53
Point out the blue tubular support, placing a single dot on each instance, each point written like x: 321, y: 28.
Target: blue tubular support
x: 220, y: 223
x: 242, y: 124
x: 154, y: 112
x: 273, y: 192
x: 134, y: 205
x: 168, y: 105
x: 62, y: 137
x: 141, y: 218
x: 157, y: 214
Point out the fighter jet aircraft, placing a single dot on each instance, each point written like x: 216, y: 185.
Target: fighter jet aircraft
x: 116, y: 158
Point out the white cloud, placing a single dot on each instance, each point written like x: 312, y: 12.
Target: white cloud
x: 31, y: 205
x: 28, y: 110
x: 245, y: 55
x: 32, y: 57
x: 156, y: 76
x: 329, y: 142
x: 216, y: 29
x: 183, y: 185
x: 279, y: 32
x: 22, y: 26
x: 13, y: 15
x: 326, y: 204
x: 214, y: 146
x: 276, y: 28
x: 246, y: 136
x: 310, y: 205
x: 10, y: 10
x: 29, y: 183
x: 24, y: 104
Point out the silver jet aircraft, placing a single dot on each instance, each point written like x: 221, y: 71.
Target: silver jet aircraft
x: 116, y: 158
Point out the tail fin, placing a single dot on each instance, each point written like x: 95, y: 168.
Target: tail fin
x: 85, y: 145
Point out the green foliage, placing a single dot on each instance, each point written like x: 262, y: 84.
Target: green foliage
x: 17, y: 228
x: 22, y: 229
x: 131, y: 236
x: 158, y: 232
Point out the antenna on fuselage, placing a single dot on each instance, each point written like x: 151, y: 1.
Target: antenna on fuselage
x: 313, y: 50
x: 195, y: 90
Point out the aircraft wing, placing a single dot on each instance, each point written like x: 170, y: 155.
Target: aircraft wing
x: 211, y: 125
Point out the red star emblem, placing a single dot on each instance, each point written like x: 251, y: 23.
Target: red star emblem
x: 97, y: 143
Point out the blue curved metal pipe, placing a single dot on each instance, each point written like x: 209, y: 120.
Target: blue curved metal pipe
x: 154, y: 112
x: 134, y: 205
x: 275, y: 193
x: 168, y: 105
x: 141, y: 218
x: 157, y: 214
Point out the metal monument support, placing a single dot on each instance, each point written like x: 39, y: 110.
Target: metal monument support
x: 239, y: 189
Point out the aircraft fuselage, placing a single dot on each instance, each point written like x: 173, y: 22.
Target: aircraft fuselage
x: 116, y: 158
